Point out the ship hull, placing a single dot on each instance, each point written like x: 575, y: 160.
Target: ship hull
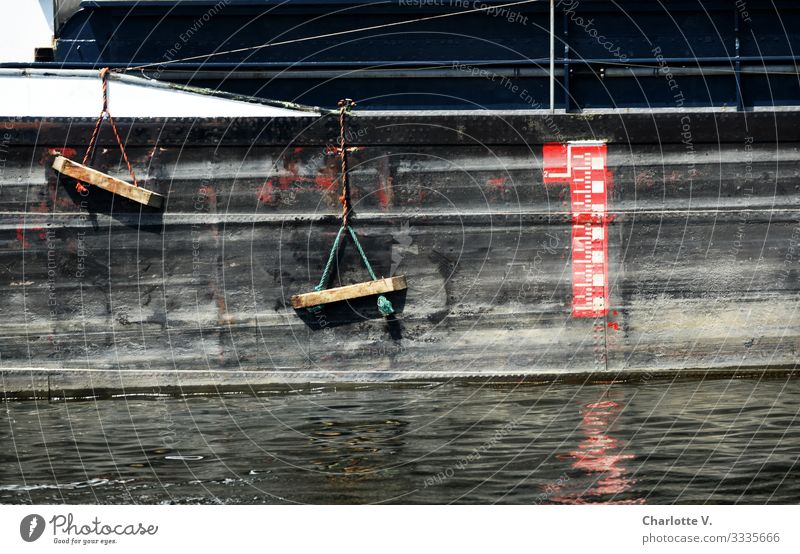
x: 100, y: 294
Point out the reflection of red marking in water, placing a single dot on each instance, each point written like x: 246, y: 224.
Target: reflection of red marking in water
x: 584, y: 167
x: 599, y: 453
x: 602, y: 404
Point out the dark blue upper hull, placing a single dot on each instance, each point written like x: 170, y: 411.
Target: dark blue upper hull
x: 684, y: 53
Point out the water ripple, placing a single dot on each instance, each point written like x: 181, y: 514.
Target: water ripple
x: 689, y: 442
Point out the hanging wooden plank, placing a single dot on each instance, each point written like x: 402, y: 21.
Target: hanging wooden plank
x: 348, y: 292
x: 107, y: 182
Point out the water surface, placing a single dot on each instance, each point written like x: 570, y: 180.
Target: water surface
x: 734, y: 441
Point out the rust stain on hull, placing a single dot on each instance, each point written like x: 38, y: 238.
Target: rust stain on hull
x: 700, y: 282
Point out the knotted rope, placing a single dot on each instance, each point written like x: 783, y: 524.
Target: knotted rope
x: 345, y: 105
x: 105, y: 114
x: 384, y: 305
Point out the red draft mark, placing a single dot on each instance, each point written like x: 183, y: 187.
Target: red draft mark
x: 584, y: 166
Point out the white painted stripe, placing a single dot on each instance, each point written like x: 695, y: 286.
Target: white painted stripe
x: 35, y: 95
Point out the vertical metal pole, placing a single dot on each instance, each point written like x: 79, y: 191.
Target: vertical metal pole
x: 737, y: 68
x: 552, y: 56
x: 567, y: 99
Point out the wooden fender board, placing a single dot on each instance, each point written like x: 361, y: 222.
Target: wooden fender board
x: 107, y: 182
x: 378, y: 286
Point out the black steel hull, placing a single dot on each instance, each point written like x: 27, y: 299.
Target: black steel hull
x: 100, y: 294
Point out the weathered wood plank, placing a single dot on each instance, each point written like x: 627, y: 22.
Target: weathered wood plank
x: 107, y: 182
x: 379, y: 286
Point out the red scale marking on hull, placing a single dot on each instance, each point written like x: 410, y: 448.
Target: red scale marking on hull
x: 584, y: 167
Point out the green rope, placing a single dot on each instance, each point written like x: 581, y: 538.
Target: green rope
x: 327, y: 272
x: 361, y: 251
x: 384, y: 305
